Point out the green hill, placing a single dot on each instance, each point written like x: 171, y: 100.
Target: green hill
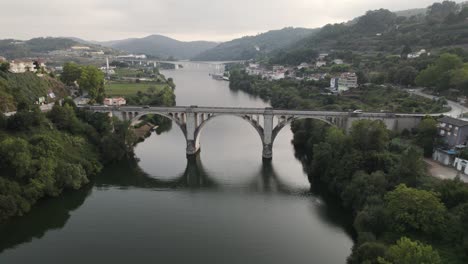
x: 26, y: 87
x: 249, y: 47
x: 161, y: 46
x: 12, y: 49
x: 381, y: 31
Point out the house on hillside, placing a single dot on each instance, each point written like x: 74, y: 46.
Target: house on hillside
x: 417, y: 54
x: 320, y: 63
x: 118, y: 101
x: 338, y: 61
x: 303, y: 65
x: 322, y: 56
x: 453, y: 131
x: 347, y: 81
x: 21, y: 66
x: 80, y: 48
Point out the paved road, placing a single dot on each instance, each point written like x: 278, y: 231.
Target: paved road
x: 443, y: 172
x: 44, y: 108
x: 457, y: 109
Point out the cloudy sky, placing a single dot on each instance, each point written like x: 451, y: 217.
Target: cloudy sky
x: 216, y: 20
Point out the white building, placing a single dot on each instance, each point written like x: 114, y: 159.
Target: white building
x: 20, y: 66
x: 80, y: 48
x: 118, y: 101
x: 319, y: 64
x: 347, y: 81
x: 132, y: 56
x: 338, y: 61
x: 417, y: 54
x: 303, y: 65
x: 322, y: 56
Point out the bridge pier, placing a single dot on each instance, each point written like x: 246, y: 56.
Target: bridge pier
x: 267, y: 139
x: 193, y: 147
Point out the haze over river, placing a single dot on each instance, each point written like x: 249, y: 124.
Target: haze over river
x: 225, y: 206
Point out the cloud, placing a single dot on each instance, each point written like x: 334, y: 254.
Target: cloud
x: 185, y: 19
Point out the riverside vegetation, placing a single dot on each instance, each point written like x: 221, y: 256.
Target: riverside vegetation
x: 400, y: 214
x: 44, y: 154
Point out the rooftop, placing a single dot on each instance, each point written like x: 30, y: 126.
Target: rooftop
x: 453, y: 121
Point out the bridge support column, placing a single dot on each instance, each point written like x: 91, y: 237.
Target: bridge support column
x: 193, y: 146
x: 267, y: 135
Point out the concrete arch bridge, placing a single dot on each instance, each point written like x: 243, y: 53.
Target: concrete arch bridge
x: 268, y: 122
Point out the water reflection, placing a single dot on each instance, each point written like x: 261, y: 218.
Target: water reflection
x: 195, y: 176
x: 49, y: 214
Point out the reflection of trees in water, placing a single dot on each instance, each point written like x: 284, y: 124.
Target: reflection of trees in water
x: 129, y: 174
x: 54, y: 213
x: 48, y: 214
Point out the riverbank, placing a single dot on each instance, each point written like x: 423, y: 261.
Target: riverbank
x: 226, y: 199
x: 370, y: 170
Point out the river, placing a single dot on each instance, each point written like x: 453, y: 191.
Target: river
x: 224, y: 206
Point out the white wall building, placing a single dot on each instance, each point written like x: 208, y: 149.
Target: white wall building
x: 338, y: 61
x: 118, y: 101
x: 347, y: 81
x: 319, y: 64
x: 20, y: 66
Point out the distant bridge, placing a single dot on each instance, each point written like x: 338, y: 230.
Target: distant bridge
x: 268, y: 122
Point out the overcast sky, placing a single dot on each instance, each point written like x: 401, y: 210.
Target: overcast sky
x: 216, y: 20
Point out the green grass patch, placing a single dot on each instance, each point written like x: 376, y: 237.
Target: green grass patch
x: 126, y: 89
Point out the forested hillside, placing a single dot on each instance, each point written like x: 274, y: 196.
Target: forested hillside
x: 249, y: 47
x: 26, y: 88
x: 12, y: 49
x: 445, y: 25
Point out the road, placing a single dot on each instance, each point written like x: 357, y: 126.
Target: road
x: 443, y: 172
x: 44, y: 108
x: 457, y: 109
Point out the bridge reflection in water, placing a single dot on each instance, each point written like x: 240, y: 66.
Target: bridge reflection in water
x: 54, y: 213
x: 195, y: 176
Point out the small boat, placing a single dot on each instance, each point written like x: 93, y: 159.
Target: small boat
x: 225, y: 78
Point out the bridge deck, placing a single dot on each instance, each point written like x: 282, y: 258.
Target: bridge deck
x: 248, y: 111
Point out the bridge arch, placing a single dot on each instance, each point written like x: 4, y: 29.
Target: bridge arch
x: 287, y: 120
x: 178, y: 118
x: 255, y: 124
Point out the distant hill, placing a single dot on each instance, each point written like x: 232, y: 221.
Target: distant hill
x: 161, y: 46
x: 40, y: 47
x: 382, y: 31
x: 11, y: 48
x: 249, y: 47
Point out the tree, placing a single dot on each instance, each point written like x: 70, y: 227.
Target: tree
x: 368, y: 252
x: 15, y: 155
x: 427, y: 132
x: 406, y: 251
x: 410, y: 168
x: 71, y: 73
x: 4, y: 66
x: 437, y: 12
x: 362, y: 187
x: 368, y: 135
x: 92, y: 80
x: 405, y: 51
x: 438, y: 75
x: 415, y: 210
x: 405, y: 76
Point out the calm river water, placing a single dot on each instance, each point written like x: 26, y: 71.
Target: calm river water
x: 225, y: 206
